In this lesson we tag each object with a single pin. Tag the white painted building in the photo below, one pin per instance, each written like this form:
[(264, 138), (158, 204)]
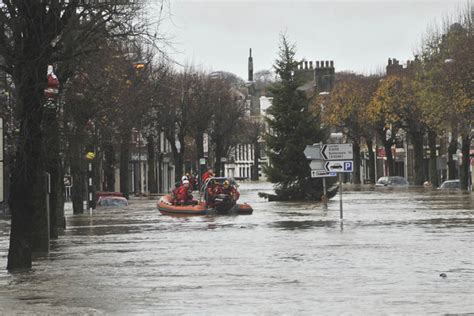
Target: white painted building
[(241, 158)]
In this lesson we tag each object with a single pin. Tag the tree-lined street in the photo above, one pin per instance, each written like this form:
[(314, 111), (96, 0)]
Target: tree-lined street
[(94, 106)]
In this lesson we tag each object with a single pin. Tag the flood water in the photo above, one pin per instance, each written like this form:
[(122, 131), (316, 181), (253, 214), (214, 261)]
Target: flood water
[(286, 258)]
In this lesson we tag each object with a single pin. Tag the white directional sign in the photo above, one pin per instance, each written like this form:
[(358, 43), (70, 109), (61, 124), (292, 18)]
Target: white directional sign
[(322, 174), (336, 152), (339, 166), (312, 152), (316, 165)]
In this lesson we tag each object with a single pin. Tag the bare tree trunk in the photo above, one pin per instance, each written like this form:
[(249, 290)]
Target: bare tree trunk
[(180, 170), (76, 161), (57, 220), (417, 139), (388, 154), (54, 168), (433, 168), (160, 166), (41, 231), (124, 158), (160, 172), (256, 158), (27, 190), (356, 151), (452, 148), (218, 155), (387, 145), (464, 176), (109, 167), (57, 224), (178, 161), (371, 161), (199, 139), (177, 157), (152, 186)]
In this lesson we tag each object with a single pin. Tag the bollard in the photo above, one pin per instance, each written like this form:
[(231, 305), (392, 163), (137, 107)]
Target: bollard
[(90, 193)]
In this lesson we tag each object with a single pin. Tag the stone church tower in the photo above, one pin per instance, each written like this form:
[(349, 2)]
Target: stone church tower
[(254, 93)]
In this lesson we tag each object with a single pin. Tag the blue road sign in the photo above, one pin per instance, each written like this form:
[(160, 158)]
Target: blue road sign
[(348, 166), (339, 166)]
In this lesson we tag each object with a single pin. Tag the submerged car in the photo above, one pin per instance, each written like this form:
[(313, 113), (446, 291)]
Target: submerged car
[(391, 181), (450, 185), (112, 201)]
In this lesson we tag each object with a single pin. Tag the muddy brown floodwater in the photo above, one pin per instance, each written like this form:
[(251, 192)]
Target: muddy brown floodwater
[(286, 258)]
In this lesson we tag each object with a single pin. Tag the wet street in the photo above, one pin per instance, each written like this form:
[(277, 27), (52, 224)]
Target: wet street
[(286, 258)]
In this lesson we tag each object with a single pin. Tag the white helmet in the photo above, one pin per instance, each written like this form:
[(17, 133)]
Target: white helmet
[(184, 178)]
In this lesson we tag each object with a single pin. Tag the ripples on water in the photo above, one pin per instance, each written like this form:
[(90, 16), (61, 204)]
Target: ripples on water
[(286, 258)]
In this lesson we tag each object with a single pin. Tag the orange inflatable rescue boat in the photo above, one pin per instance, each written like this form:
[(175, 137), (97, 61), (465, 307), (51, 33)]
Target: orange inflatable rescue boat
[(205, 205)]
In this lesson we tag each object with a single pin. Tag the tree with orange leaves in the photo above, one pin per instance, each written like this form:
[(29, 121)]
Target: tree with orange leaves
[(347, 108)]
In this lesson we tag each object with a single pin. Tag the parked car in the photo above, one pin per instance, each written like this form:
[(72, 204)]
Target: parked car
[(112, 201), (391, 181), (100, 194), (450, 185)]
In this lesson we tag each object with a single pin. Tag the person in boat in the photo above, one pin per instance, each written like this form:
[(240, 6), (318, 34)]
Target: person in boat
[(229, 190), (180, 183), (183, 194), (193, 183), (208, 174), (211, 192)]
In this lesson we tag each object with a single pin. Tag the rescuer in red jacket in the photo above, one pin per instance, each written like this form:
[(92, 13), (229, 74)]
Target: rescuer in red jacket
[(211, 192), (230, 190), (208, 174), (183, 195)]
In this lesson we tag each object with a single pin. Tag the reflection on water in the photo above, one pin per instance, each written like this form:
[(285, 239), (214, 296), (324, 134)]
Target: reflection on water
[(286, 258), (298, 225)]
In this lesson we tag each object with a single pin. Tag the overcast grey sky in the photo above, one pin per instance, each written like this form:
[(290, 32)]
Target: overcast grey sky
[(358, 35)]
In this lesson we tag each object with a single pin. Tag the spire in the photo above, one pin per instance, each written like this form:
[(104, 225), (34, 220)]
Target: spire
[(250, 66)]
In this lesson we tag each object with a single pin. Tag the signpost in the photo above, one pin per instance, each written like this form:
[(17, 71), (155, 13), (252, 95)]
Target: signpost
[(313, 152), (322, 174), (338, 166), (337, 151), (338, 159), (316, 165), (329, 159)]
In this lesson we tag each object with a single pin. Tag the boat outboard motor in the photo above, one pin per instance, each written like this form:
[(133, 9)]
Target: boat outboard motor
[(223, 203)]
